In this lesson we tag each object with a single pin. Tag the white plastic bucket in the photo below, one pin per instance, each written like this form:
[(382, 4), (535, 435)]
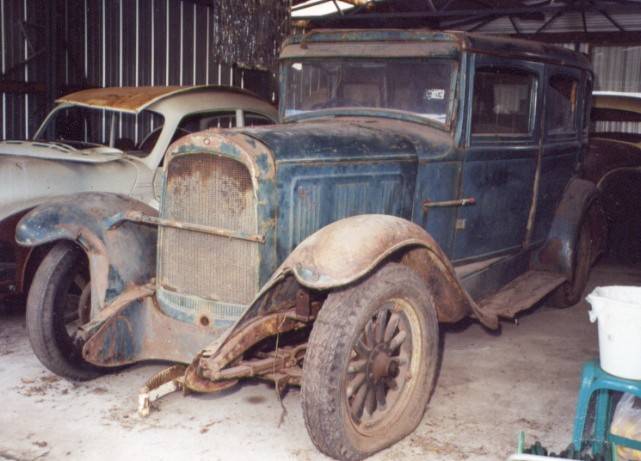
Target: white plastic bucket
[(618, 311)]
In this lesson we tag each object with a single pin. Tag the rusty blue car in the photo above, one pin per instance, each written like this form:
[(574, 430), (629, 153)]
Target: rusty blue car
[(417, 178)]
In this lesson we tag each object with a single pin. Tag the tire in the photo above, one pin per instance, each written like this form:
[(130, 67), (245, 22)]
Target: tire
[(50, 302), (571, 292), (344, 421)]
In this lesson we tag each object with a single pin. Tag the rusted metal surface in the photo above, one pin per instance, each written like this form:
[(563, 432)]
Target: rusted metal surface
[(427, 204), (480, 43), (335, 256), (346, 250), (168, 100), (163, 383), (213, 192), (260, 162), (522, 293), (445, 203), (558, 252), (242, 339), (125, 99), (142, 218), (117, 257), (378, 49), (95, 321), (139, 331)]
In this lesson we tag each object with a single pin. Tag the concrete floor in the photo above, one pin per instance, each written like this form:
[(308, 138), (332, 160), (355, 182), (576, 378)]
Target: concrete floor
[(490, 387)]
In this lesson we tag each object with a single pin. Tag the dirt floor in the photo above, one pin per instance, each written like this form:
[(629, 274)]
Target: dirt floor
[(490, 387)]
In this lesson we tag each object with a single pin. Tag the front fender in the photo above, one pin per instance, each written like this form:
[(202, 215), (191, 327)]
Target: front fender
[(118, 256), (335, 256), (558, 252), (347, 250)]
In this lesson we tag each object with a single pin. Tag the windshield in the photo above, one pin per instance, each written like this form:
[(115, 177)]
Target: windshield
[(423, 87), (83, 128)]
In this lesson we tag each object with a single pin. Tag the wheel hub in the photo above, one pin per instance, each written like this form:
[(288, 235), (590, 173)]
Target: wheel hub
[(382, 366)]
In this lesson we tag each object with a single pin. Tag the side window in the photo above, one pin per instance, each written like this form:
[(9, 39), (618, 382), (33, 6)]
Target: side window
[(254, 119), (502, 102), (204, 121), (560, 112)]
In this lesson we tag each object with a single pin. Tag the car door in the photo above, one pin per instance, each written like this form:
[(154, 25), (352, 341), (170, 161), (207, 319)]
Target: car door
[(562, 143), (499, 167)]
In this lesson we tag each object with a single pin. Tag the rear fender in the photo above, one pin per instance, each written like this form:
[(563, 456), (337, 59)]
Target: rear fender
[(119, 256), (558, 252), (334, 257)]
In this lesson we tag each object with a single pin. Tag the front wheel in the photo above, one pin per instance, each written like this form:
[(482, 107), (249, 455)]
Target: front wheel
[(58, 303), (370, 364)]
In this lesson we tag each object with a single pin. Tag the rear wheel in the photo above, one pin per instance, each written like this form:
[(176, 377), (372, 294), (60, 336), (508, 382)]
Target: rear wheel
[(370, 364), (57, 305), (571, 291)]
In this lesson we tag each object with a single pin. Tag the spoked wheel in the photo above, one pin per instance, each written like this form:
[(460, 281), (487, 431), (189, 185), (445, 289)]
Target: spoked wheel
[(370, 364), (57, 305), (379, 367)]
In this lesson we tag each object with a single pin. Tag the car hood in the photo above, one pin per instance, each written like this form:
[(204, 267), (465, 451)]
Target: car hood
[(352, 137), (60, 151)]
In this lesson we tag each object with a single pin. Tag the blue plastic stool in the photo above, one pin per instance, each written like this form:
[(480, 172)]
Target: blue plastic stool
[(594, 379)]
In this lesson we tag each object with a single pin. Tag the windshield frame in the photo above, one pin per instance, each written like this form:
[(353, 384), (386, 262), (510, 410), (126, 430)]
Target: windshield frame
[(397, 114)]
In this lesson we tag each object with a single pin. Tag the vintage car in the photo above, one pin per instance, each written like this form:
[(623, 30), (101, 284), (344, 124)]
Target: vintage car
[(418, 177), (67, 154), (613, 163)]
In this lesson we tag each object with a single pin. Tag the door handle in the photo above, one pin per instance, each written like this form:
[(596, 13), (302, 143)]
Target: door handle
[(427, 204)]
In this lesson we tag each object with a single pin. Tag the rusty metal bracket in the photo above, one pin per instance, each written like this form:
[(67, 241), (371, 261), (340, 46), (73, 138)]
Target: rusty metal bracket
[(272, 324), (305, 308), (163, 383), (274, 365), (136, 216)]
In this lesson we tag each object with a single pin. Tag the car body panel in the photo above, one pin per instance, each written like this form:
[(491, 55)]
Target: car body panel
[(35, 172)]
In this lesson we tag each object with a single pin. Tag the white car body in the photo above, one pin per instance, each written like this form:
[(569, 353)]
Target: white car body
[(33, 172)]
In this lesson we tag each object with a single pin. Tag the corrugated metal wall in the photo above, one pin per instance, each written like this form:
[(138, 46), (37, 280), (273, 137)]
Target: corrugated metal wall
[(116, 43), (618, 69), (161, 42), (19, 42)]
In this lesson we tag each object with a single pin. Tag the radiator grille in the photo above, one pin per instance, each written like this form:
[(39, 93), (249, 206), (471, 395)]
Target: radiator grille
[(214, 191)]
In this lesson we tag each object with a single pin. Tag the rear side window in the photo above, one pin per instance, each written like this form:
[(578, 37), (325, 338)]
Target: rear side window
[(560, 112), (502, 102), (255, 119)]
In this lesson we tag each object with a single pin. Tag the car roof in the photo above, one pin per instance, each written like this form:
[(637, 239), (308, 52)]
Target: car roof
[(163, 99), (464, 41), (617, 100)]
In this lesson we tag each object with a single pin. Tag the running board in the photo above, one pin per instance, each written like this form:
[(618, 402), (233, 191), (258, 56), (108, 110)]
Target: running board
[(521, 293)]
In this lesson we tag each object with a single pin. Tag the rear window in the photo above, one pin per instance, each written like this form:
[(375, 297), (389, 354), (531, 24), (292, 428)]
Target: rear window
[(502, 102), (560, 112)]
